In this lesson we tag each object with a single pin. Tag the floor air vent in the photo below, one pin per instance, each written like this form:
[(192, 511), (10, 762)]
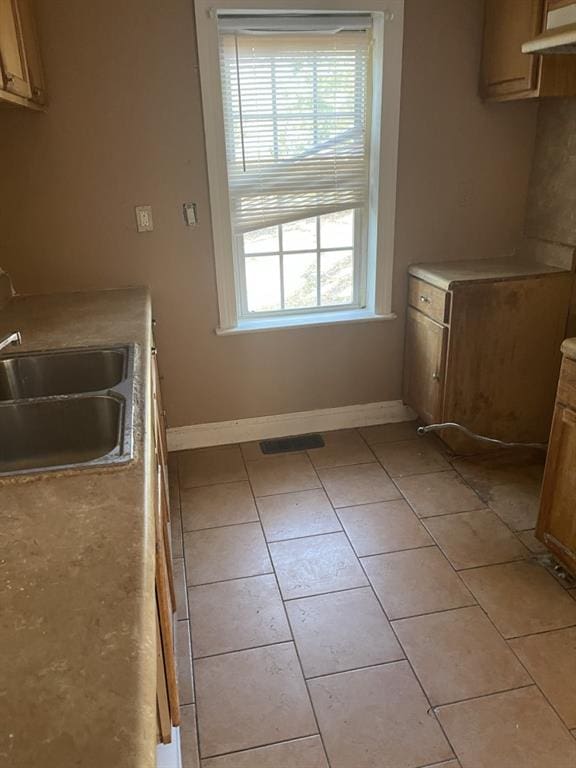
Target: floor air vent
[(288, 444)]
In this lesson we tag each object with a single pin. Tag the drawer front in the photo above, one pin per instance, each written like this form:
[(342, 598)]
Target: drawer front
[(431, 301)]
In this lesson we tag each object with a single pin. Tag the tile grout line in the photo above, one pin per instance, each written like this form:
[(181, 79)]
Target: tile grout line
[(485, 695), (529, 556), (554, 708), (541, 632), (293, 641), (487, 507), (213, 527), (264, 746), (509, 646), (242, 650), (224, 581), (390, 624), (520, 558), (514, 531), (505, 640), (321, 594), (433, 613), (322, 533), (430, 708)]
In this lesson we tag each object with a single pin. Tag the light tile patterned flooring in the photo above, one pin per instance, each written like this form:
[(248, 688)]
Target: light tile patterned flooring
[(370, 604)]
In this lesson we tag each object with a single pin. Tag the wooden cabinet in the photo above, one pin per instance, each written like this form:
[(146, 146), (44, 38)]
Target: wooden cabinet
[(167, 686), (32, 50), (506, 72), (425, 366), (484, 350), (21, 78), (557, 519)]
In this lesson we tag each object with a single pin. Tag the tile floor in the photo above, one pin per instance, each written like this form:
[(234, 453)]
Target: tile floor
[(370, 604)]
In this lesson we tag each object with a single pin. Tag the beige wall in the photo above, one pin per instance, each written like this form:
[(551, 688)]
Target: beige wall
[(124, 128)]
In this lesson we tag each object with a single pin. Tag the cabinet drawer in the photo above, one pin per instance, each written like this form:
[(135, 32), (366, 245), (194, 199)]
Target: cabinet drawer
[(431, 301)]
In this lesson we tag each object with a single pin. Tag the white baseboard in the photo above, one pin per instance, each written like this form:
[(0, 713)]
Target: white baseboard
[(284, 424)]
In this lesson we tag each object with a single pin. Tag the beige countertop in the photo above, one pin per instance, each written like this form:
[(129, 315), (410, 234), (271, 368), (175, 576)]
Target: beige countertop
[(569, 348), (446, 274), (77, 616)]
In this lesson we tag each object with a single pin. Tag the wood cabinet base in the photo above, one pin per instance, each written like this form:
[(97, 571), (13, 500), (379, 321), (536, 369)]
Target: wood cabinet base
[(557, 519), (493, 366)]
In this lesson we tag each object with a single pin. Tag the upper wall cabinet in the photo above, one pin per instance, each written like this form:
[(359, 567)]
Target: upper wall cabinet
[(21, 80), (507, 73)]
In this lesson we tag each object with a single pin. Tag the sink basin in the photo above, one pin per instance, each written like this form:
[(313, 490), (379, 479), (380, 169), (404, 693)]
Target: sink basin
[(65, 409), (47, 374), (59, 432)]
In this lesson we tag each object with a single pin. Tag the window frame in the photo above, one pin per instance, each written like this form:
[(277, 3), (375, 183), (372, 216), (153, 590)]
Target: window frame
[(388, 17)]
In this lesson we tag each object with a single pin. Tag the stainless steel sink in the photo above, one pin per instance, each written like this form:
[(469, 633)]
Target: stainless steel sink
[(57, 433), (60, 373), (66, 409)]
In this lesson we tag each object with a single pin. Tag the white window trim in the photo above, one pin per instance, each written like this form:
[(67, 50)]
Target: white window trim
[(387, 72)]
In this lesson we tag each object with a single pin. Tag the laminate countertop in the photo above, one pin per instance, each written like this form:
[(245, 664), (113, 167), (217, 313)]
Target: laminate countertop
[(77, 610), (569, 348), (446, 274)]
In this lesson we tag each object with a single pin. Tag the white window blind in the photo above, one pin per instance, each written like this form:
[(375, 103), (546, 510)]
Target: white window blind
[(296, 106)]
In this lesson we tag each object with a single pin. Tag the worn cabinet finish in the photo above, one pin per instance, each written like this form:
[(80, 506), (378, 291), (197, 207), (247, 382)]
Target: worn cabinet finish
[(14, 66), (21, 78), (167, 686), (424, 366), (557, 519), (32, 52), (492, 366), (506, 72)]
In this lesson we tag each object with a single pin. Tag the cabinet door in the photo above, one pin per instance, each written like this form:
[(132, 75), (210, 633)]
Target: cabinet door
[(507, 71), (164, 720), (424, 365), (166, 618), (12, 53), (30, 37), (557, 519)]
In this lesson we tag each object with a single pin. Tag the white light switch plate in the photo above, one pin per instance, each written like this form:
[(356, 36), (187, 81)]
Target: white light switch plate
[(144, 221), (190, 214)]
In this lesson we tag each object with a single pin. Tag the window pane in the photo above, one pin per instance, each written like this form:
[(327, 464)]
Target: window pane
[(337, 230), (300, 280), (263, 283), (299, 235), (261, 241), (336, 278)]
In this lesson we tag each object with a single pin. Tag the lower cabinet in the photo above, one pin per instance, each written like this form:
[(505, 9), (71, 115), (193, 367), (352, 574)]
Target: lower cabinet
[(557, 519), (424, 370), (485, 352), (167, 687)]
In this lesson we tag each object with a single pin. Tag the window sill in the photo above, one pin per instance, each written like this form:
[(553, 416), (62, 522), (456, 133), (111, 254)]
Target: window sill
[(302, 321)]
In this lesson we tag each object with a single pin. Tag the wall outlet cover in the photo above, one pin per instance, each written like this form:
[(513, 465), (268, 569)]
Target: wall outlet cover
[(144, 222)]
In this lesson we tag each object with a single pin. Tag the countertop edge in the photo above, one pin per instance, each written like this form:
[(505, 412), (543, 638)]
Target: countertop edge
[(432, 273)]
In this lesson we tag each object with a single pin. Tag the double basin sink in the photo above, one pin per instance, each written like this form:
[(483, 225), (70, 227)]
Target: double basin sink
[(65, 409)]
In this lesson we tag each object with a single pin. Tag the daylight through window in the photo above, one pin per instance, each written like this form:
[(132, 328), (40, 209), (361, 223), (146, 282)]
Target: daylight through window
[(296, 98)]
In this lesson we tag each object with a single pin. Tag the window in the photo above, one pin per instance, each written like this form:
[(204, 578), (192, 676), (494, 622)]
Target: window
[(306, 264), (293, 117)]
